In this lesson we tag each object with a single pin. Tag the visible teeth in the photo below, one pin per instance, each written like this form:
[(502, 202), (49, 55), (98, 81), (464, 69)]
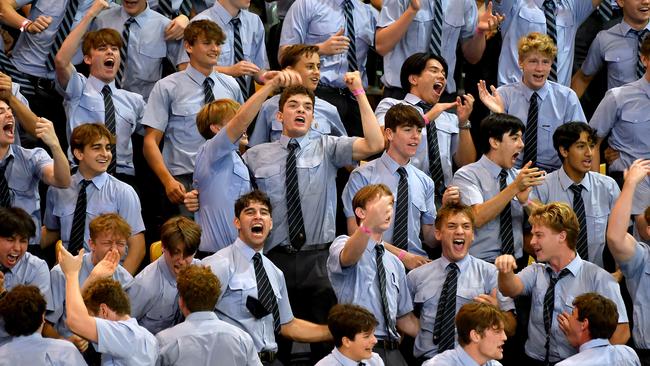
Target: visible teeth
[(459, 241)]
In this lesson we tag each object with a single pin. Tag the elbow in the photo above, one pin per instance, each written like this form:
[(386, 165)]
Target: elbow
[(381, 49), (63, 182), (376, 146)]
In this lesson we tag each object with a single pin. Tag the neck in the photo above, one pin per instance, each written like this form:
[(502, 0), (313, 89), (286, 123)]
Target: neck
[(635, 24), (494, 157), (205, 70), (560, 262), (473, 352), (575, 176), (533, 88), (86, 174), (647, 75), (4, 150), (233, 11), (347, 354), (399, 158)]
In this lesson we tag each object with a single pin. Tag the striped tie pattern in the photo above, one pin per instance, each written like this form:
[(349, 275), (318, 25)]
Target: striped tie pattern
[(435, 164), (109, 122), (208, 96), (165, 8), (239, 54), (435, 44), (640, 69), (444, 332), (348, 9), (551, 31), (5, 192), (401, 223), (579, 208), (294, 208), (530, 138), (62, 33), (505, 220), (78, 220), (8, 68), (381, 276), (185, 8), (549, 300), (605, 11), (265, 293), (124, 52)]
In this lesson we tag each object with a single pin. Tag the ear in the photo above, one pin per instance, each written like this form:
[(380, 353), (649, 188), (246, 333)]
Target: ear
[(215, 128), (564, 152), (474, 336), (494, 143), (438, 234), (361, 213), (562, 235), (278, 116), (346, 342), (188, 46), (237, 223), (388, 133), (78, 154), (87, 60), (413, 80)]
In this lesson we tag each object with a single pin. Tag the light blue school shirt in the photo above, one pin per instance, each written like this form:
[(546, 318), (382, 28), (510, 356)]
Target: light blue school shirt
[(557, 105), (456, 357), (204, 339), (268, 129), (422, 208), (584, 277), (125, 343), (58, 315), (479, 182), (618, 49), (475, 277), (459, 21), (221, 178), (23, 174), (233, 265), (105, 194), (446, 129), (637, 278), (147, 46), (84, 103), (525, 16), (336, 358), (599, 352), (315, 21), (599, 194), (36, 350), (317, 161), (359, 284), (623, 115)]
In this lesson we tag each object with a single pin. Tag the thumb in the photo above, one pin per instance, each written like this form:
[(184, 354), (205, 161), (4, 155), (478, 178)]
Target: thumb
[(493, 293), (340, 32)]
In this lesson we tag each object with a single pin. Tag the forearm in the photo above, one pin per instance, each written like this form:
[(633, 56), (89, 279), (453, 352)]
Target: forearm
[(71, 44), (510, 285), (222, 69), (490, 209), (304, 331), (474, 47), (61, 176), (9, 15), (354, 248), (75, 308), (466, 152), (580, 82), (386, 38), (49, 331), (409, 324), (25, 115), (595, 158), (154, 158), (429, 235), (621, 334), (136, 253), (373, 140), (49, 237), (245, 115), (510, 324)]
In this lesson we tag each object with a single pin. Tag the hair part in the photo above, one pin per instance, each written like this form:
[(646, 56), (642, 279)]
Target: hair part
[(601, 313), (109, 223), (217, 112), (557, 216), (23, 309), (198, 287), (478, 317), (16, 221), (348, 320), (180, 234)]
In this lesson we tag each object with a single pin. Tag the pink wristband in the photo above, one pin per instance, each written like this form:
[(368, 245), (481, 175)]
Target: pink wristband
[(356, 92), (25, 24), (365, 230), (426, 119), (401, 255)]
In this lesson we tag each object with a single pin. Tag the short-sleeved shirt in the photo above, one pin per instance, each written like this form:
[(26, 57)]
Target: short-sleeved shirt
[(268, 129), (84, 103), (459, 19), (251, 34), (637, 278), (125, 343), (30, 270), (58, 314), (446, 129), (154, 297), (221, 177), (197, 5), (475, 277), (104, 195), (618, 48), (204, 339), (336, 358), (557, 104), (24, 172), (147, 46), (623, 116), (525, 16), (359, 283), (315, 21), (36, 350), (233, 265), (641, 197), (317, 161), (456, 357), (422, 208), (479, 182), (584, 277), (599, 194), (172, 108), (599, 352)]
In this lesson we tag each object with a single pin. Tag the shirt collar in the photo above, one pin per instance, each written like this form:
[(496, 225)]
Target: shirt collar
[(139, 19), (412, 99), (87, 262), (594, 343), (98, 85), (165, 270), (390, 164), (372, 244), (10, 152), (493, 168), (302, 141), (465, 358), (197, 76), (462, 264), (542, 92), (200, 316), (344, 360), (244, 249), (574, 266), (98, 181), (644, 84), (566, 182), (222, 13)]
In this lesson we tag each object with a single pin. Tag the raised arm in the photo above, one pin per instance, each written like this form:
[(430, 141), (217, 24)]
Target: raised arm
[(136, 253), (58, 173), (373, 140), (304, 331), (580, 82), (10, 17), (387, 37), (509, 284), (621, 244)]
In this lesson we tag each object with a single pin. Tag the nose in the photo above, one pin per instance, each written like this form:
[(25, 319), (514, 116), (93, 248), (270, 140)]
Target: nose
[(589, 151), (373, 340)]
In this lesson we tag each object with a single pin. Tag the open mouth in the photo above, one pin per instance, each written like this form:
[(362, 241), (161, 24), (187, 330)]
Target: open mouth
[(8, 128), (459, 244), (438, 87), (257, 228), (300, 119), (12, 259), (109, 62), (515, 156)]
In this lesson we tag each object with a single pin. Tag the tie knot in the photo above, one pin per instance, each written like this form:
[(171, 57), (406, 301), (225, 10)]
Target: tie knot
[(577, 188), (106, 90), (208, 82), (4, 166), (426, 107), (453, 267), (293, 145), (379, 249), (84, 183), (129, 22), (549, 4), (562, 274), (257, 257), (402, 172), (503, 174), (236, 22), (533, 98)]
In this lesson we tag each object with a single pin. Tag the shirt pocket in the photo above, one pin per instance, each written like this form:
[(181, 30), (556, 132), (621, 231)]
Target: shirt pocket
[(533, 19), (417, 31), (545, 136), (313, 164), (23, 190), (52, 8), (466, 295), (618, 62), (161, 316), (269, 179), (97, 207), (241, 184), (634, 123), (90, 109), (597, 219), (152, 53), (186, 113), (565, 29), (241, 287)]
